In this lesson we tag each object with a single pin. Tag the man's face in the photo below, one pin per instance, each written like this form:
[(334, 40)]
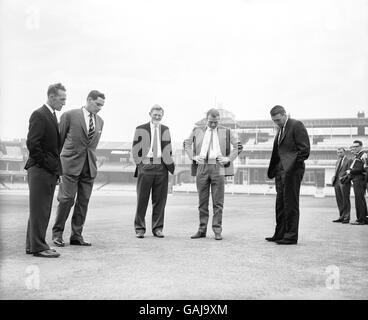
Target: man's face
[(355, 148), (94, 106), (156, 116), (340, 153), (57, 101), (212, 122), (279, 119)]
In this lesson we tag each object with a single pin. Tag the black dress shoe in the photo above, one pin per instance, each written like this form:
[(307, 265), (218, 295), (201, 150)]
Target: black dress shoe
[(28, 251), (158, 234), (337, 220), (58, 242), (218, 236), (357, 223), (286, 241), (345, 221), (47, 254), (80, 243), (271, 239), (198, 235), (140, 235)]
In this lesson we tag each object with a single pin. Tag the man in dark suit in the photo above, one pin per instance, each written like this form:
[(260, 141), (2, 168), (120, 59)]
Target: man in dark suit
[(152, 153), (80, 132), (290, 149), (342, 186), (358, 175), (44, 168)]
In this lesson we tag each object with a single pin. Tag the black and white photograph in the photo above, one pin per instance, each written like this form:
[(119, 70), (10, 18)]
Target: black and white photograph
[(201, 151)]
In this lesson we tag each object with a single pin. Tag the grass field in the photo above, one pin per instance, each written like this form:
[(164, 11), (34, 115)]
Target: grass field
[(241, 266)]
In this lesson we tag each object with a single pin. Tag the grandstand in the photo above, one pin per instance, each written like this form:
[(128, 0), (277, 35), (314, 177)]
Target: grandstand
[(117, 167)]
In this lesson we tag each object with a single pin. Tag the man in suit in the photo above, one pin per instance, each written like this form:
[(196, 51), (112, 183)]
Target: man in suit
[(358, 175), (152, 154), (209, 148), (43, 167), (342, 188), (80, 131), (291, 148)]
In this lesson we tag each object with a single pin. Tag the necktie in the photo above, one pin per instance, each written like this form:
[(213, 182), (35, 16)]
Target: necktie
[(280, 134), (55, 118), (154, 147), (210, 145), (91, 130)]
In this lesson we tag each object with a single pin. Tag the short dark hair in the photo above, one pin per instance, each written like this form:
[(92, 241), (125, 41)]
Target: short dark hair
[(277, 110), (54, 89), (94, 94), (213, 113), (358, 142)]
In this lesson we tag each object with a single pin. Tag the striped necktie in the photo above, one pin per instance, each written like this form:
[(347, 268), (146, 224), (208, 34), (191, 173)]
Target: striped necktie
[(91, 129), (154, 146)]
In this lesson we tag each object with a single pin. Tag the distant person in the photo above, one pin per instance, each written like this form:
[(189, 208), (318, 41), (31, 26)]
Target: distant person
[(44, 168), (342, 186), (291, 148), (152, 153), (80, 131), (358, 175), (209, 147)]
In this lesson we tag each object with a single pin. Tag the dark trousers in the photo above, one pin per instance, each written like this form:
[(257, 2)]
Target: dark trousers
[(155, 178), (41, 193), (359, 186), (209, 177), (287, 203), (342, 193), (72, 186)]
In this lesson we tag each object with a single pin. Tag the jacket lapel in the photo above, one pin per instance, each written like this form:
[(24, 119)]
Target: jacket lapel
[(83, 122), (285, 130), (199, 139), (51, 117), (222, 139)]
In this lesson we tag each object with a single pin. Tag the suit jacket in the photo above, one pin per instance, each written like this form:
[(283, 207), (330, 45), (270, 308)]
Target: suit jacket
[(76, 146), (342, 170), (43, 141), (226, 137), (358, 166), (142, 145), (293, 149)]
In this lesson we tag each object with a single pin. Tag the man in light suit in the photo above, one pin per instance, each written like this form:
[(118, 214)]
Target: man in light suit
[(209, 148), (342, 188), (80, 131), (291, 148), (152, 154), (44, 169)]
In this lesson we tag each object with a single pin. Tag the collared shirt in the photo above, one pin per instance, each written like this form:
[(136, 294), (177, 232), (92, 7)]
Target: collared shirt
[(215, 149), (283, 130), (50, 109), (86, 114), (150, 152)]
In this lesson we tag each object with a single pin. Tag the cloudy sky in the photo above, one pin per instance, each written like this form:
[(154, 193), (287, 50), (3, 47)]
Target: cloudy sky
[(311, 56)]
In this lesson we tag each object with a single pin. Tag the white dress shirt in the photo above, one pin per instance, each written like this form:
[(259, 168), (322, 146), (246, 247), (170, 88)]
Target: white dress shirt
[(86, 118), (150, 152), (50, 109), (215, 149)]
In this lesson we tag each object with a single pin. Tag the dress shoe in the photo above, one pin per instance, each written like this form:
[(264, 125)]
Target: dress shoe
[(47, 254), (140, 235), (198, 235), (345, 221), (357, 223), (28, 251), (218, 236), (337, 220), (80, 243), (158, 234), (286, 241), (58, 242), (271, 239)]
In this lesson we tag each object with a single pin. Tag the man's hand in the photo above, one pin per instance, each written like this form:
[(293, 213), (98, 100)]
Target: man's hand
[(199, 159), (223, 160)]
